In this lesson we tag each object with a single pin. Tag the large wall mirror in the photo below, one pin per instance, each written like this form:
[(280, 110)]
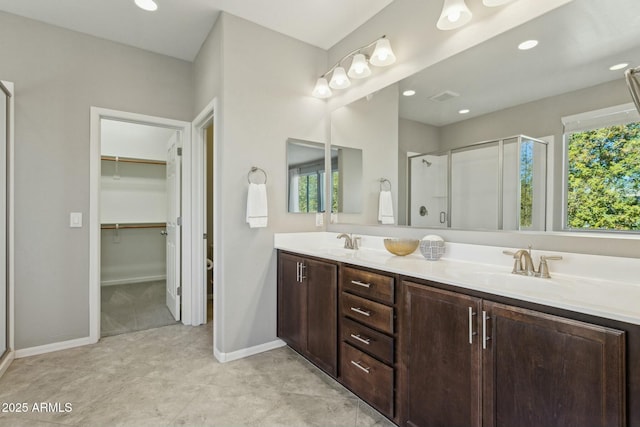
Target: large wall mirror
[(478, 143)]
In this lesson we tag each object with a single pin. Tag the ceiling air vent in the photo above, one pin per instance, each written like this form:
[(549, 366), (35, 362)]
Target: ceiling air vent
[(443, 96)]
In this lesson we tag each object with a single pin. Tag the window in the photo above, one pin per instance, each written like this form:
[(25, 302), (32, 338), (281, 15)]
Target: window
[(603, 170)]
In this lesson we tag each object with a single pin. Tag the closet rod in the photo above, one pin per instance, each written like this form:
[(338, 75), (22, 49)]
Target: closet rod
[(132, 160), (123, 226)]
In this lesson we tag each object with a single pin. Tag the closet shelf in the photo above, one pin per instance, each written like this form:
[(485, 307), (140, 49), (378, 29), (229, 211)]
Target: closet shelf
[(133, 160), (130, 225)]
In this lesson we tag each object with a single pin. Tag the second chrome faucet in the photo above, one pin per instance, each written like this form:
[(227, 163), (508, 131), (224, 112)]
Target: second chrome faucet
[(350, 241)]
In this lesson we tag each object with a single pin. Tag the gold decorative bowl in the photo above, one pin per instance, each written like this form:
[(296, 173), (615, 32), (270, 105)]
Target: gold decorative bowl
[(401, 247)]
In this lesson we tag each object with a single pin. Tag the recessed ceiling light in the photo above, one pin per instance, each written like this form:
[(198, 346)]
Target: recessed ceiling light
[(619, 66), (409, 92), (464, 111), (529, 44), (149, 5)]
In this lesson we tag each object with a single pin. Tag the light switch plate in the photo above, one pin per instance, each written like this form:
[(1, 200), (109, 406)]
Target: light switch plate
[(75, 220), (319, 219)]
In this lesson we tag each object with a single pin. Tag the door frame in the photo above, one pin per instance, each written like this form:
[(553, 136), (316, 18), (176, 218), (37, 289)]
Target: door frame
[(97, 114), (198, 221), (6, 360)]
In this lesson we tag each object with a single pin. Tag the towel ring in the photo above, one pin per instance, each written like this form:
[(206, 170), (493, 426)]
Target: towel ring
[(253, 170), (382, 181)]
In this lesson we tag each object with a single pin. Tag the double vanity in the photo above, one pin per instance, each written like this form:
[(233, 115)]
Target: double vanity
[(462, 341)]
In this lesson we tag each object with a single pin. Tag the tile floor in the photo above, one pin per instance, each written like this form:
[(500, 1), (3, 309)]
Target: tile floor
[(168, 377), (134, 307)]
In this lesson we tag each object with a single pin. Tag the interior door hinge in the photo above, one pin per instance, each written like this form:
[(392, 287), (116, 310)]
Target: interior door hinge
[(179, 291), (179, 221), (204, 236), (179, 151)]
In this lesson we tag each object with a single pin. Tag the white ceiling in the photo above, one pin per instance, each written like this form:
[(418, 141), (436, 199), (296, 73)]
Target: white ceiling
[(179, 27), (578, 44)]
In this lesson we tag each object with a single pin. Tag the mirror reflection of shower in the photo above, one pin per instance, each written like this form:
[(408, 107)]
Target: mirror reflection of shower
[(497, 184)]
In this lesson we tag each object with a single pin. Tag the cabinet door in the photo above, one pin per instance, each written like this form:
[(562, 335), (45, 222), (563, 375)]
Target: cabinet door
[(322, 317), (441, 358), (543, 370), (292, 303)]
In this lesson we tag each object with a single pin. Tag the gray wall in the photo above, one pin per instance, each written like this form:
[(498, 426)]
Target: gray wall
[(58, 76), (264, 82)]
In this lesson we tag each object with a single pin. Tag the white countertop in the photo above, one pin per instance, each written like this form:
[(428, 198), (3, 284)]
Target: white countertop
[(597, 285)]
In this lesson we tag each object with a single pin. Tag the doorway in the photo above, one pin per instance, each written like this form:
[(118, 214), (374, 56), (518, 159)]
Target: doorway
[(136, 234), (139, 242)]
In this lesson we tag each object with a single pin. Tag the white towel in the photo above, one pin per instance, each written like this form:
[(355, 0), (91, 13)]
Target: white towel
[(385, 208), (257, 206)]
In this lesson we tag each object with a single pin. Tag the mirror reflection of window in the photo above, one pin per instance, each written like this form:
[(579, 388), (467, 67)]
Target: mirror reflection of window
[(306, 180)]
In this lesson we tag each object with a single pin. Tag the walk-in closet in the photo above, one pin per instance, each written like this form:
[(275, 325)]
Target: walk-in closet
[(134, 207)]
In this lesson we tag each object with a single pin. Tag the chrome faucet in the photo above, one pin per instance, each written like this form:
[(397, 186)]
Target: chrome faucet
[(350, 241), (523, 263)]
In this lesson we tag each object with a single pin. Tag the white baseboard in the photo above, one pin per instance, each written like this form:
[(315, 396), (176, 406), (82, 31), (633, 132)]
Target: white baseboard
[(132, 280), (246, 352), (6, 361), (56, 346)]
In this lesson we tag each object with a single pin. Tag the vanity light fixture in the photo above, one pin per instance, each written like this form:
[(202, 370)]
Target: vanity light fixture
[(464, 111), (619, 66), (148, 5), (409, 92), (455, 14), (529, 44), (381, 56)]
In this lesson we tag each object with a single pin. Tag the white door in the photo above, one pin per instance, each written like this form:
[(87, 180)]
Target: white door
[(173, 225)]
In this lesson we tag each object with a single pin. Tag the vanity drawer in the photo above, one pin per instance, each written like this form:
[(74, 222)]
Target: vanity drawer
[(367, 284), (368, 340), (368, 378), (376, 315)]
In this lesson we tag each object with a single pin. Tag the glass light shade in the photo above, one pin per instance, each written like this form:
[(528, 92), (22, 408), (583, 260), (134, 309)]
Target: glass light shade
[(493, 3), (359, 67), (322, 89), (339, 79), (455, 14), (382, 55), (149, 5)]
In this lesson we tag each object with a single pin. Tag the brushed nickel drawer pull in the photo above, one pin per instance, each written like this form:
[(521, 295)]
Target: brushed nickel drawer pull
[(366, 341), (471, 333), (364, 285), (485, 337), (361, 311), (359, 366)]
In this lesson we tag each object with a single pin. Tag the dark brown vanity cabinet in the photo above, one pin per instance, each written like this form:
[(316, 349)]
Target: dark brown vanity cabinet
[(367, 325), (307, 308), (472, 362)]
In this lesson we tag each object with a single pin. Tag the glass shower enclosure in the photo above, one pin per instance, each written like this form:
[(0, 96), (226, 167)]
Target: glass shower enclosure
[(492, 185)]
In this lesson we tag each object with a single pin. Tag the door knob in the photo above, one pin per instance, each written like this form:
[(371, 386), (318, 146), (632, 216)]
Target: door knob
[(163, 232)]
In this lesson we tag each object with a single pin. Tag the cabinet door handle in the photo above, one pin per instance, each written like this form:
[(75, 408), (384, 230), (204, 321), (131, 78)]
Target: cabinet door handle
[(471, 332), (359, 366), (366, 341), (303, 269), (364, 285), (485, 338), (361, 311), (298, 272)]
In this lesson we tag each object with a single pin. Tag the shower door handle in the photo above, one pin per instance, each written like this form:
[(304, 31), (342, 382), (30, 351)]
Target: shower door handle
[(443, 217)]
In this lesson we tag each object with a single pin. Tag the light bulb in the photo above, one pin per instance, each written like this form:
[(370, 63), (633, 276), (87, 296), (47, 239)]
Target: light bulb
[(455, 14), (359, 67), (321, 90), (339, 79), (382, 55)]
